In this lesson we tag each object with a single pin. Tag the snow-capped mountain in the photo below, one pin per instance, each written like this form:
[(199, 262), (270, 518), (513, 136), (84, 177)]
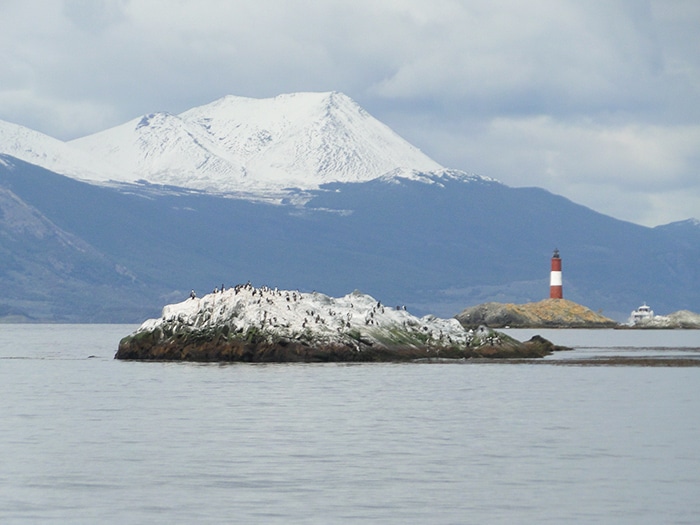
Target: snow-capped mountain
[(232, 145), (52, 154), (243, 144), (162, 148)]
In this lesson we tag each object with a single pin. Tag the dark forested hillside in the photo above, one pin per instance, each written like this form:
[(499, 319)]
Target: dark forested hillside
[(118, 254)]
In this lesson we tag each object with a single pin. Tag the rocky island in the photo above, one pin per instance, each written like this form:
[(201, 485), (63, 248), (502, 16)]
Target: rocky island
[(549, 313), (683, 319), (250, 324)]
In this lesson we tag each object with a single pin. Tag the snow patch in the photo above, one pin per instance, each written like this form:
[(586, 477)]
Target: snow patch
[(439, 177), (52, 154)]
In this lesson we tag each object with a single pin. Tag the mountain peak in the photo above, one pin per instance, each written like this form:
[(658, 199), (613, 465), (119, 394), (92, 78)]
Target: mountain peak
[(154, 119), (42, 150), (689, 224), (254, 145), (439, 177)]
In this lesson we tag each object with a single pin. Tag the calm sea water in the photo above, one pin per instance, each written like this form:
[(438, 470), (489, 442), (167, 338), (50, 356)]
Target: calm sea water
[(87, 439)]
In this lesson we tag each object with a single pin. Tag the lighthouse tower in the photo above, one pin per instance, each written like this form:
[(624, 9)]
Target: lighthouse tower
[(555, 288)]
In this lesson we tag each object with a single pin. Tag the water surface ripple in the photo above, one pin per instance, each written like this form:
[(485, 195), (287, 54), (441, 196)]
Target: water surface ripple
[(93, 440)]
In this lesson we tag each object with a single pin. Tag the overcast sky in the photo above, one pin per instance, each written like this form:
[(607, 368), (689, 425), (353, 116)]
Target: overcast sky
[(596, 100)]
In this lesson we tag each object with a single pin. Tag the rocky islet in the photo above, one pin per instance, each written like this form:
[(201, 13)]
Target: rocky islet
[(263, 324)]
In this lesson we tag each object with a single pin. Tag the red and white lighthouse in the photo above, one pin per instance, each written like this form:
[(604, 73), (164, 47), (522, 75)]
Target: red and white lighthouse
[(555, 288)]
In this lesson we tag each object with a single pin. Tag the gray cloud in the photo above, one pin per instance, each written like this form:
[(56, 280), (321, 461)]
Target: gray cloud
[(94, 16), (597, 101)]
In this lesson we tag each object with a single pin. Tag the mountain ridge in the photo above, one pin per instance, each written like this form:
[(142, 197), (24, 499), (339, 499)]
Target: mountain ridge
[(51, 273), (436, 247), (50, 153)]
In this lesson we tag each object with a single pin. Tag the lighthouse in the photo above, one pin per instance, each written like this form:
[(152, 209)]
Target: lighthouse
[(555, 288)]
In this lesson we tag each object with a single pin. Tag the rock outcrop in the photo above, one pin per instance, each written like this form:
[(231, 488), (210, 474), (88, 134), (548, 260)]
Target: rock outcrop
[(549, 313), (680, 319), (252, 324)]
